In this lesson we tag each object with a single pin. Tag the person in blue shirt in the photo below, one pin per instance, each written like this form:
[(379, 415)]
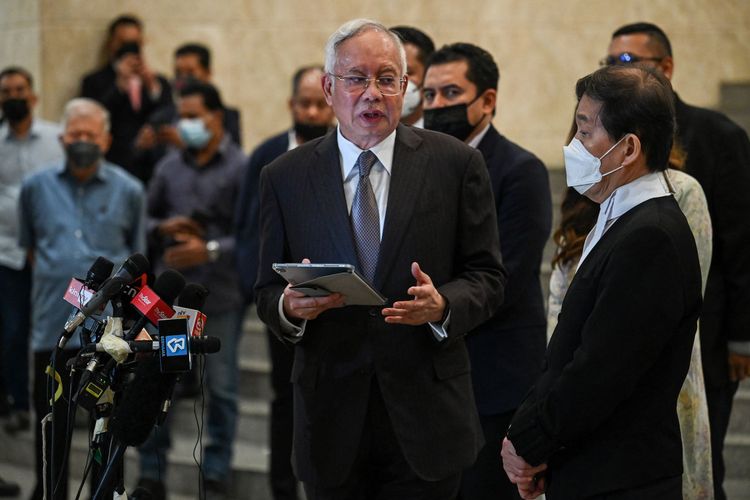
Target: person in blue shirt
[(71, 214)]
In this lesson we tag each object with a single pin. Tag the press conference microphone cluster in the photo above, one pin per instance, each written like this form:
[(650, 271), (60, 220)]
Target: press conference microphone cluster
[(131, 269)]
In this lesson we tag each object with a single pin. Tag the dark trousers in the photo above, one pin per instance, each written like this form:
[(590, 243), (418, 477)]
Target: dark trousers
[(282, 479), (61, 428), (15, 314), (486, 479), (719, 410), (380, 470), (663, 489)]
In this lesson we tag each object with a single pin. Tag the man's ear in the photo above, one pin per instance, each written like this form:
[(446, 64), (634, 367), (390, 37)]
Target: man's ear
[(489, 101), (327, 82), (667, 66), (632, 149)]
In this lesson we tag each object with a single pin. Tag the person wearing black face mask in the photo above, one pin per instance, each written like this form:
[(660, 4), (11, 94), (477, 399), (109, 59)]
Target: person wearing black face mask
[(460, 94), (79, 208), (312, 118), (26, 145)]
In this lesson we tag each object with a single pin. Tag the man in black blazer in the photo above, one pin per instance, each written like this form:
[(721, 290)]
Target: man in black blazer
[(382, 395), (311, 118), (718, 156), (601, 421), (130, 91), (460, 95)]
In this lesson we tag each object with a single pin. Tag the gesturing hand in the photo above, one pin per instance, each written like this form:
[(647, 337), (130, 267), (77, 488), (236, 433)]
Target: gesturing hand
[(428, 306)]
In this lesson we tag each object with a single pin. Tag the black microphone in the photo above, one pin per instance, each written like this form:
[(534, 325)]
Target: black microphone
[(167, 287), (99, 271), (193, 296), (198, 345), (135, 415), (133, 267)]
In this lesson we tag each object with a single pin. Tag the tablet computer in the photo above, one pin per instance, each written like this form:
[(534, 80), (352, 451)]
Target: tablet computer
[(318, 280)]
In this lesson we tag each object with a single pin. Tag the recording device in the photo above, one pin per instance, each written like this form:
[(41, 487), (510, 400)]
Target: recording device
[(80, 291), (133, 267)]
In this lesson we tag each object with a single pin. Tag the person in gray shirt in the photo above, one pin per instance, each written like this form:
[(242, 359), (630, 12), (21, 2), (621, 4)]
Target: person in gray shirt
[(26, 145), (191, 204)]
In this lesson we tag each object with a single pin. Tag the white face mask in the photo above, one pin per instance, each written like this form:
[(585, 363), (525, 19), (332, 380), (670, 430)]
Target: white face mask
[(582, 168), (412, 99)]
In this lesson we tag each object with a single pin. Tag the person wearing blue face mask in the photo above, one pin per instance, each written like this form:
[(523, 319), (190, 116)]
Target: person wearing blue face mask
[(191, 205), (601, 420)]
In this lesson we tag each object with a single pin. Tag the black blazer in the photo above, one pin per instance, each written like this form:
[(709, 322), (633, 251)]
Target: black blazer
[(246, 229), (506, 352), (125, 121), (603, 413), (718, 156), (440, 215)]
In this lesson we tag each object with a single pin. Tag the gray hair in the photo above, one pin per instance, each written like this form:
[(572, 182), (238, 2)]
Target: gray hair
[(82, 106), (352, 28)]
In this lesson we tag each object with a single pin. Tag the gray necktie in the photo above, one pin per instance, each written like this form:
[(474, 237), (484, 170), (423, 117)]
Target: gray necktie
[(365, 217)]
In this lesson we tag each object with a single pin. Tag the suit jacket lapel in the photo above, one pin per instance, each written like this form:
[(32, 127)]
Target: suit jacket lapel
[(327, 185), (407, 178), (487, 145)]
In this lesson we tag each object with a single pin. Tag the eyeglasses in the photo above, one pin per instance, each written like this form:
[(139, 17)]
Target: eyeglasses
[(626, 58), (387, 85)]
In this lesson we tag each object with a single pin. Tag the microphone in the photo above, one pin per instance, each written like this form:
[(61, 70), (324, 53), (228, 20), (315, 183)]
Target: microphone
[(99, 271), (135, 415), (190, 301), (133, 267), (155, 304), (197, 345)]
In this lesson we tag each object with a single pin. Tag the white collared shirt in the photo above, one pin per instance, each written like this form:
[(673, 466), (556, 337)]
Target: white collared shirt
[(474, 143), (292, 139), (622, 200), (380, 175)]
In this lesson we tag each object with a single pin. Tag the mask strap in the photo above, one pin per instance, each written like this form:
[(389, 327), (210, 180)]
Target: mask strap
[(613, 147)]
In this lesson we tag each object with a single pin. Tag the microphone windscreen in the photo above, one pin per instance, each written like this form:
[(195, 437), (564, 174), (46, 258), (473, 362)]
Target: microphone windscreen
[(205, 345), (193, 296), (135, 265), (98, 272), (168, 285), (136, 413)]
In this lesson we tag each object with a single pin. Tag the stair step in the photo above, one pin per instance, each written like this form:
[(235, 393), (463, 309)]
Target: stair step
[(249, 464), (736, 454), (252, 423)]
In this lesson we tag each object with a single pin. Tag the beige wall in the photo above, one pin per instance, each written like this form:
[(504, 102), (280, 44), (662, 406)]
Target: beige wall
[(542, 47)]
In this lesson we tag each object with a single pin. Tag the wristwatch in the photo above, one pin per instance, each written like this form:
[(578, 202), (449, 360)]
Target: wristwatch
[(212, 247)]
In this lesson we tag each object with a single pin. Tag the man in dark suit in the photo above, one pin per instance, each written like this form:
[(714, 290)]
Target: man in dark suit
[(460, 94), (718, 156), (311, 118), (601, 421), (382, 396), (130, 91)]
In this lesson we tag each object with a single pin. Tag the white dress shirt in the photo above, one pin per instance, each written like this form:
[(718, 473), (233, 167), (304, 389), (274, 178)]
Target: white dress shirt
[(622, 200), (380, 178)]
